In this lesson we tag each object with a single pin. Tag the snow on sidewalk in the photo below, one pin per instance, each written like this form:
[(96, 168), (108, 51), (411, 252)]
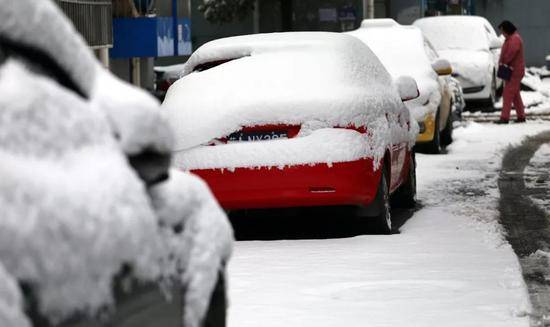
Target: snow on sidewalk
[(449, 266)]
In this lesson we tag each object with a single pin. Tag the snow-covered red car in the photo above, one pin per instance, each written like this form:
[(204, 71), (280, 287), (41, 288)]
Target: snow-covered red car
[(403, 50), (294, 119), (472, 46)]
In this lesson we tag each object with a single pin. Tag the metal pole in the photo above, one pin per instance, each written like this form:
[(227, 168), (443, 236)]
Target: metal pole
[(368, 9), (103, 54), (175, 25), (370, 12), (135, 64)]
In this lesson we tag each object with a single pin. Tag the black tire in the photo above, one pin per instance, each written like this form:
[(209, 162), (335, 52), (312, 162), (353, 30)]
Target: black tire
[(405, 195), (382, 221), (447, 132)]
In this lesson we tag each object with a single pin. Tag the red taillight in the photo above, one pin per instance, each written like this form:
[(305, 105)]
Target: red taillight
[(261, 132), (291, 130), (360, 129)]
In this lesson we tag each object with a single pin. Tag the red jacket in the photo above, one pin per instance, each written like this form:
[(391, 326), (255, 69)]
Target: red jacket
[(512, 55)]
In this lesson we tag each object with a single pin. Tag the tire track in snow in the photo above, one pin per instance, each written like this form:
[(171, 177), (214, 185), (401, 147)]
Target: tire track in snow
[(527, 226)]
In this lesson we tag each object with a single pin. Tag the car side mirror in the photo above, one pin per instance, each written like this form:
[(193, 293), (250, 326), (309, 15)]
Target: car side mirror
[(495, 43), (442, 67), (407, 88)]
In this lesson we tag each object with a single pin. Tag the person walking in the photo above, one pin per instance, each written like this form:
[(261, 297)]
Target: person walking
[(512, 60)]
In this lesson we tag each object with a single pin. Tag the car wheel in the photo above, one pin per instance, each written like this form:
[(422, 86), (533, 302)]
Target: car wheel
[(405, 196), (447, 133), (382, 221), (490, 102)]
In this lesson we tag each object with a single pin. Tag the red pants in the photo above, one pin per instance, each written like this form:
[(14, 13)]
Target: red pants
[(512, 96)]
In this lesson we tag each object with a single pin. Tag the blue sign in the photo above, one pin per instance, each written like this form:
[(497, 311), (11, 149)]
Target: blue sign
[(150, 37)]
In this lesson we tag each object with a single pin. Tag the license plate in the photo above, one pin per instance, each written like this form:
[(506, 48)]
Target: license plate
[(257, 136)]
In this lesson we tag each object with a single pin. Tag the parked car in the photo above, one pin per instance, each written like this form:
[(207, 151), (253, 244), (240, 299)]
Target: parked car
[(403, 50), (96, 229), (473, 47), (295, 119)]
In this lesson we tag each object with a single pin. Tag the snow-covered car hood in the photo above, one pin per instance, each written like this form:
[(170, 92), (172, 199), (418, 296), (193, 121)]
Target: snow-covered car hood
[(473, 68), (284, 78)]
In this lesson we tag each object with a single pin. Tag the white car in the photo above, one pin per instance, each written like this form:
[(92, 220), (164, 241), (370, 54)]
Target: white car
[(404, 51), (473, 47)]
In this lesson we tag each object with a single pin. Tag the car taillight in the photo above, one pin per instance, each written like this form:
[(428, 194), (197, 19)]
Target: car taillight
[(291, 130), (260, 133), (360, 129)]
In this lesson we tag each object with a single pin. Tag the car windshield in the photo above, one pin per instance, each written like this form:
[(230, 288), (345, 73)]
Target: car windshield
[(454, 34)]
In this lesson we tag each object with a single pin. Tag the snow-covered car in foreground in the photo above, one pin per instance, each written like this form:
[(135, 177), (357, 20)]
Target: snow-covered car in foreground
[(89, 204), (294, 119), (403, 51), (472, 46)]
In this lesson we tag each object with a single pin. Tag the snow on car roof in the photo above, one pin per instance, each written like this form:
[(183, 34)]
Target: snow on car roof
[(279, 78), (401, 50), (456, 32)]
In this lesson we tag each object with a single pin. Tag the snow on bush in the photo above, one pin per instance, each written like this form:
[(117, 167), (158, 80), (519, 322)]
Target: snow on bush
[(317, 80), (133, 114), (74, 212), (205, 244), (401, 50), (27, 22), (11, 302)]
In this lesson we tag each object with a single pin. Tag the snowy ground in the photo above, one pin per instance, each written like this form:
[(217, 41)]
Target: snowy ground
[(537, 177), (449, 265)]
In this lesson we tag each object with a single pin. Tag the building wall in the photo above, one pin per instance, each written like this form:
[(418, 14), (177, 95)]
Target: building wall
[(204, 31), (532, 19), (92, 18), (406, 11)]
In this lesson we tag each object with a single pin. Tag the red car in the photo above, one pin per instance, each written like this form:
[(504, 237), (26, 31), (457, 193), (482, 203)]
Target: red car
[(295, 119)]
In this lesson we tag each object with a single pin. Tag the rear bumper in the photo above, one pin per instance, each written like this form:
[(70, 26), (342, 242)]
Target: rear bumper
[(347, 183)]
